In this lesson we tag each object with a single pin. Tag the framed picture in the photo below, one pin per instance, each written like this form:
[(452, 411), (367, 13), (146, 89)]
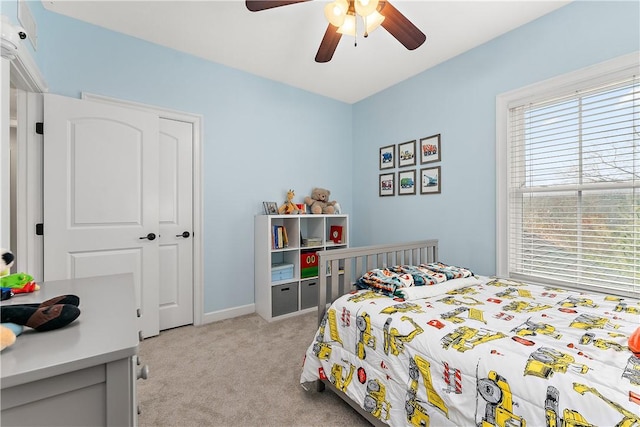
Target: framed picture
[(270, 208), (406, 182), (387, 157), (386, 187), (430, 180), (430, 149), (407, 154)]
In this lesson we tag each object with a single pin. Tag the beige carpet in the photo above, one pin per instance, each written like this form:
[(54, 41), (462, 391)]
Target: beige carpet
[(237, 372)]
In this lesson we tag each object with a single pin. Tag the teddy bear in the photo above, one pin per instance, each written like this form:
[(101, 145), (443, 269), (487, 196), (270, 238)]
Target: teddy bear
[(319, 201)]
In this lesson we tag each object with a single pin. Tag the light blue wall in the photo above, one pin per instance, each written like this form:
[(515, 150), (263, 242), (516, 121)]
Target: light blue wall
[(458, 100), (260, 137)]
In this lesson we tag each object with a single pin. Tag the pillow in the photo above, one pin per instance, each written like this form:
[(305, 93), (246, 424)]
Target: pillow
[(421, 275), (449, 271), (390, 280), (384, 280), (417, 292)]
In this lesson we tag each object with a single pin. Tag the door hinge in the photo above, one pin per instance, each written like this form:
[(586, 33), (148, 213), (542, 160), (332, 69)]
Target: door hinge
[(40, 128), (40, 229)]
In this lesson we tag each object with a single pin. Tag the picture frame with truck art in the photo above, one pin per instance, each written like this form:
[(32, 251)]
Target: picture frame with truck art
[(430, 149), (386, 185), (407, 154), (430, 180), (387, 157), (406, 182)]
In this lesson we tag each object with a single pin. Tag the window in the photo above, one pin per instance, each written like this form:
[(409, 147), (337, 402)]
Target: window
[(572, 183)]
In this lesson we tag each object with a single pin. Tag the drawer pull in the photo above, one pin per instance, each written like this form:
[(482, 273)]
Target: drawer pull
[(284, 289), (140, 336), (143, 372)]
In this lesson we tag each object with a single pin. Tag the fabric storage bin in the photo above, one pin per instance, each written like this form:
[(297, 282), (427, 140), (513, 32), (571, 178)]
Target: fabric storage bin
[(284, 299), (308, 264), (282, 271), (309, 292)]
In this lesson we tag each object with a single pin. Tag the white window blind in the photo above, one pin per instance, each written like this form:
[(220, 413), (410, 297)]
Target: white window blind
[(574, 188)]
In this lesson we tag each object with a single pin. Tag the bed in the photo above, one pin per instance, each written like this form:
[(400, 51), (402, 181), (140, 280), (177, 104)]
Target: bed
[(468, 350)]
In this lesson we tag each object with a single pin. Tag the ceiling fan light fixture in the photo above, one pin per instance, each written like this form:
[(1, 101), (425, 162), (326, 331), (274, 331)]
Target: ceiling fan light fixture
[(336, 11), (373, 21), (349, 26), (365, 8)]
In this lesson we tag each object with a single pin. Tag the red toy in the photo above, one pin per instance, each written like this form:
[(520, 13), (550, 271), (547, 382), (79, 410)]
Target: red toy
[(634, 342)]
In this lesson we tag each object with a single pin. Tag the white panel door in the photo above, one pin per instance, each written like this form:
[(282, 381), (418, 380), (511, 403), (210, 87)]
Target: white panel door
[(176, 223), (101, 216)]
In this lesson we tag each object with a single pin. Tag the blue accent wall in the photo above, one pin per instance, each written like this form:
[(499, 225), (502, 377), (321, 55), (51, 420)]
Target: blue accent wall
[(457, 99), (262, 137)]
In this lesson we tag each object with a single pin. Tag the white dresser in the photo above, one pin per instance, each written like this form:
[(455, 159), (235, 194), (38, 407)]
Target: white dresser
[(83, 374)]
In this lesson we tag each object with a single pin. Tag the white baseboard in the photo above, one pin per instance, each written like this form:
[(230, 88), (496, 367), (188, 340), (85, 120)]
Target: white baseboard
[(228, 313)]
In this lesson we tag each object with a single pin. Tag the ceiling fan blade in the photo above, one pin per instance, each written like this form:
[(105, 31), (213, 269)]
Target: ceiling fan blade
[(401, 28), (258, 5), (329, 44)]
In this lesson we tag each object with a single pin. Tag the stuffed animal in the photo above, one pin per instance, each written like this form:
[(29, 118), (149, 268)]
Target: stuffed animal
[(319, 201), (6, 261), (288, 207), (7, 337), (17, 283), (53, 313)]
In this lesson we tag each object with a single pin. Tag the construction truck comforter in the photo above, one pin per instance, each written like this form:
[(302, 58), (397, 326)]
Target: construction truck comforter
[(473, 351)]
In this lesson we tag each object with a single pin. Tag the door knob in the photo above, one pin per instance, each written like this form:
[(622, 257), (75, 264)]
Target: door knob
[(185, 234), (149, 236)]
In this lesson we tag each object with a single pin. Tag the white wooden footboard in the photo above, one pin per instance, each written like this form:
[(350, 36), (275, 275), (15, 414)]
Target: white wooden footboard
[(342, 267)]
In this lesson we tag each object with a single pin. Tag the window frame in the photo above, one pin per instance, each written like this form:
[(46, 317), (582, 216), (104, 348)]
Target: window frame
[(595, 75)]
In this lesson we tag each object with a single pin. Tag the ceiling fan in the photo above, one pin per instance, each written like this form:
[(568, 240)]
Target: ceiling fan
[(391, 20)]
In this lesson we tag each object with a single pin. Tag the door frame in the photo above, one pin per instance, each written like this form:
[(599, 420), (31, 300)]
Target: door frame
[(196, 122), (23, 74)]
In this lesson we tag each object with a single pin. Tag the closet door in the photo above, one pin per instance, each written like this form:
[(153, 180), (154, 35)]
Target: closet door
[(176, 223), (101, 202)]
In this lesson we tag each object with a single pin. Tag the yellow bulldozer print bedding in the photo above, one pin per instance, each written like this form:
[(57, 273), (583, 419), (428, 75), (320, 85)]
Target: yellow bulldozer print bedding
[(494, 353)]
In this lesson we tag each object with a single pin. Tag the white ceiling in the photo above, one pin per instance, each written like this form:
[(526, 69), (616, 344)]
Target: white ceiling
[(281, 43)]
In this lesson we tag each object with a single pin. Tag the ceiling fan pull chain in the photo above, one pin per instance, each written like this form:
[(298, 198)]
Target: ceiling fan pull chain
[(355, 30), (366, 34)]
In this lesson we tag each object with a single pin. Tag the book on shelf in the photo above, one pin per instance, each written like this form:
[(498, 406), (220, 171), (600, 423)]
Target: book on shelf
[(335, 233), (279, 238)]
